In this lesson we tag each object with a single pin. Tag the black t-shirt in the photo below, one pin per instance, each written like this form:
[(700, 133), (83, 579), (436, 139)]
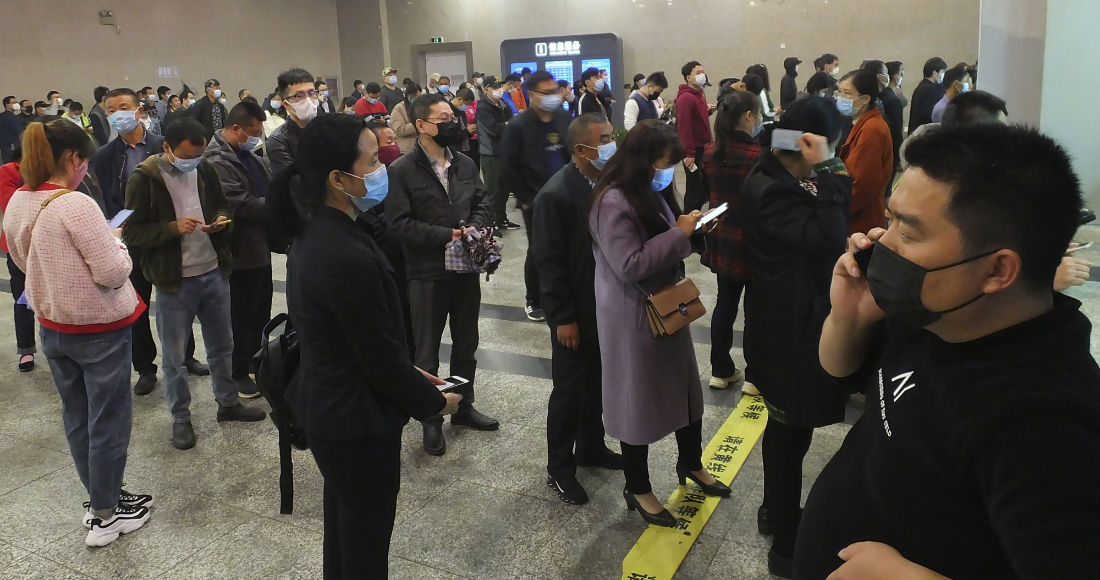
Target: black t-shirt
[(975, 460), (554, 148)]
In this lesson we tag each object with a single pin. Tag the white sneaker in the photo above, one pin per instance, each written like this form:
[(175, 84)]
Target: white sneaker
[(749, 389), (126, 519), (124, 498), (723, 383)]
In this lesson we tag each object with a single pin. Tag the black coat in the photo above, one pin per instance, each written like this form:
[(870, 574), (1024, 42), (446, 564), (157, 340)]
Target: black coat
[(925, 97), (492, 120), (421, 214), (356, 377), (107, 163), (523, 153), (892, 114), (10, 132), (562, 249), (794, 239), (788, 91), (203, 112)]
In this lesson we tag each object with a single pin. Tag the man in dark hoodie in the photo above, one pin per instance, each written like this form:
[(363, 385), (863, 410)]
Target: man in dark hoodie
[(693, 125), (788, 88)]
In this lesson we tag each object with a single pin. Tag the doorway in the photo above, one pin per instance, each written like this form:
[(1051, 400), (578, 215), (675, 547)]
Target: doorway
[(454, 59)]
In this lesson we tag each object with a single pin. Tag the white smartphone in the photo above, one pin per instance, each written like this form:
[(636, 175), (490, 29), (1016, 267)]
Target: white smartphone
[(452, 383), (786, 139), (1078, 248), (712, 215), (120, 218)]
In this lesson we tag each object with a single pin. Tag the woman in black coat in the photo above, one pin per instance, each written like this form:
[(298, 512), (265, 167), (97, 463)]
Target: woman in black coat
[(794, 207), (356, 386)]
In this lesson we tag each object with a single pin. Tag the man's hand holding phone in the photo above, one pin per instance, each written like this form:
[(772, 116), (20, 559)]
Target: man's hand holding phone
[(849, 293), (188, 225), (218, 225)]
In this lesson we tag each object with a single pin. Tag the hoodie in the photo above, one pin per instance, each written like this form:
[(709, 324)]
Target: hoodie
[(692, 119)]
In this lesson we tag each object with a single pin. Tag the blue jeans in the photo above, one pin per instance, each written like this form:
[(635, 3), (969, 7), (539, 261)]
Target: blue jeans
[(92, 373), (207, 297)]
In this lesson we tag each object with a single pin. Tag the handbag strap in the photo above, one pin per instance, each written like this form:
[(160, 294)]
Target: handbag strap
[(49, 199)]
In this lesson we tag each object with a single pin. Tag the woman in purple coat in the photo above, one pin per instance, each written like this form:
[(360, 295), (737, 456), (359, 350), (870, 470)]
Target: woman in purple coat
[(650, 385)]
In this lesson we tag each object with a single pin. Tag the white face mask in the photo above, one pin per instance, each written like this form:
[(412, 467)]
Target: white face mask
[(497, 93), (305, 110), (701, 79)]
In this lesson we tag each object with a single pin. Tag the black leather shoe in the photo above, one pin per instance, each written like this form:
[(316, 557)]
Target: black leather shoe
[(606, 459), (239, 412), (660, 519), (434, 443), (470, 417), (781, 566), (568, 489), (764, 524), (145, 383), (194, 367), (183, 435), (718, 488)]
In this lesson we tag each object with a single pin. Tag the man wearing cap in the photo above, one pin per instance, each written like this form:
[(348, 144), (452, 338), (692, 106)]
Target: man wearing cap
[(788, 88), (391, 95)]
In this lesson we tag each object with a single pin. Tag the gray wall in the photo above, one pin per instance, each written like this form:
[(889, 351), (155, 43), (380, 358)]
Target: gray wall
[(726, 36), (360, 27), (242, 43)]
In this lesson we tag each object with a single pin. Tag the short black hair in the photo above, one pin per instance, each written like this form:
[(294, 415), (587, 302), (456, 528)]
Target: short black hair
[(973, 108), (893, 67), (100, 93), (293, 76), (874, 66), (372, 87), (512, 78), (162, 90), (145, 89), (526, 70), (829, 57), (589, 73), (812, 115), (657, 78), (211, 83), (317, 84), (954, 74), (49, 95), (761, 71), (240, 93), (466, 94), (422, 106), (441, 77), (123, 92), (244, 112), (933, 64), (540, 76), (753, 83), (687, 68), (184, 129), (76, 106), (357, 82), (563, 84), (1012, 187), (349, 102), (818, 81), (8, 99)]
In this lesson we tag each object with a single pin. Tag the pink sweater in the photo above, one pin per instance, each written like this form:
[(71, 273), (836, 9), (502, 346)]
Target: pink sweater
[(78, 274)]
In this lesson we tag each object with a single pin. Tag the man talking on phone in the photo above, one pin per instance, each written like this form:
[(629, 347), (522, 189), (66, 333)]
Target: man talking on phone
[(978, 454)]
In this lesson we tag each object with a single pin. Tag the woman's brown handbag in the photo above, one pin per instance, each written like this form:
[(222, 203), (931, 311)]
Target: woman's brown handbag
[(673, 308)]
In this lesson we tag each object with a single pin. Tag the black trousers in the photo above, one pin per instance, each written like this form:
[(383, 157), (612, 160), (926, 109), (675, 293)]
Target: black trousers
[(574, 416), (498, 198), (362, 479), (530, 271), (474, 154), (695, 194), (431, 303), (24, 317), (721, 326), (783, 450), (144, 349), (250, 306), (689, 447)]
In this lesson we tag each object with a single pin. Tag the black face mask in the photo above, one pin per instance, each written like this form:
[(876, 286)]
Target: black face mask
[(450, 134), (896, 283), (653, 96)]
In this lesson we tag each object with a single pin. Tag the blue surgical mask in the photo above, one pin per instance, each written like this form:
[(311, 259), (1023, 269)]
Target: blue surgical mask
[(605, 152), (324, 94), (372, 101), (124, 121), (965, 87), (444, 88), (276, 105), (186, 165), (550, 102), (845, 106), (598, 85), (391, 79), (217, 93), (251, 143), (463, 108), (378, 185), (662, 178), (757, 130)]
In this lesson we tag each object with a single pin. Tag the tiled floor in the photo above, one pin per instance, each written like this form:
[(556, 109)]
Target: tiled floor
[(481, 511)]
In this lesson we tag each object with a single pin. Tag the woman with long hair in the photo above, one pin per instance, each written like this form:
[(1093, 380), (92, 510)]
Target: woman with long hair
[(356, 385), (766, 107), (78, 283), (726, 163), (650, 385)]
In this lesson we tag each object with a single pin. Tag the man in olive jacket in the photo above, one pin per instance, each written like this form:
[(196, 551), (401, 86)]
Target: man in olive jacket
[(435, 193), (179, 221)]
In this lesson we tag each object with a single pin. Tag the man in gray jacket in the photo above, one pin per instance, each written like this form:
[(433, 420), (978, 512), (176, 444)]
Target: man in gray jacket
[(244, 178)]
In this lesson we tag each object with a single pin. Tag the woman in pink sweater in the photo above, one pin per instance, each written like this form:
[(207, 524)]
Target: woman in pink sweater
[(78, 283)]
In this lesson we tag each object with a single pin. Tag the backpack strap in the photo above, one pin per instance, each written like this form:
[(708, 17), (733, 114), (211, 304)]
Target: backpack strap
[(286, 475)]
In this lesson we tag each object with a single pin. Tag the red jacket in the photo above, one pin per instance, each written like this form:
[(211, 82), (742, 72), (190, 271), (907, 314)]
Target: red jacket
[(869, 155), (364, 107), (10, 180), (692, 119)]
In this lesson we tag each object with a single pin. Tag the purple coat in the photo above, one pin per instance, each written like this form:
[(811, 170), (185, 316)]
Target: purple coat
[(650, 386)]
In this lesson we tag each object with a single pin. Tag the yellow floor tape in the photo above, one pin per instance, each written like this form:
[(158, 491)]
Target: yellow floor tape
[(660, 550)]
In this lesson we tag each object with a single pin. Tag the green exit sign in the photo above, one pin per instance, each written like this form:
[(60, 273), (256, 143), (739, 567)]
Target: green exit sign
[(437, 39)]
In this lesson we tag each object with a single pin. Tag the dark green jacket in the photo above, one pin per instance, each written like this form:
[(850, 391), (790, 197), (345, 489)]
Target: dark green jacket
[(152, 227)]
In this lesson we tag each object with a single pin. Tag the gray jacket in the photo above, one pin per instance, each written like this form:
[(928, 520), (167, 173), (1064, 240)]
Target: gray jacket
[(247, 201)]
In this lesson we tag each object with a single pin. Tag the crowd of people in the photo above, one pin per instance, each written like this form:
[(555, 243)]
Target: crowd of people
[(922, 270)]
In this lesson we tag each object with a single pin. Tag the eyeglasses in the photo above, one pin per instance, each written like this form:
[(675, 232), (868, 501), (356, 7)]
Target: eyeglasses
[(447, 119), (542, 92), (301, 96)]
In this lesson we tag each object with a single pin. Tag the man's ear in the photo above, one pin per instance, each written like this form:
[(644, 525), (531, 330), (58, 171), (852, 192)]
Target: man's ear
[(1004, 271)]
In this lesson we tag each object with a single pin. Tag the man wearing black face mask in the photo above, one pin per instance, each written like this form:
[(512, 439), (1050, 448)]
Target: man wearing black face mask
[(977, 456), (435, 192), (640, 106)]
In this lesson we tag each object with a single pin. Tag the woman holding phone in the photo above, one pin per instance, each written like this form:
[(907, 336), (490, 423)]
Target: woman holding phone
[(650, 385), (357, 386), (794, 207)]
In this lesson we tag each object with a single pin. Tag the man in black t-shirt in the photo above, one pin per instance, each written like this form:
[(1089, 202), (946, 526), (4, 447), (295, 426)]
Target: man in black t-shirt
[(977, 456)]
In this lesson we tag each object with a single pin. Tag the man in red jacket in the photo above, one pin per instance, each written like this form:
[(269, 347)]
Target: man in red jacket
[(693, 124)]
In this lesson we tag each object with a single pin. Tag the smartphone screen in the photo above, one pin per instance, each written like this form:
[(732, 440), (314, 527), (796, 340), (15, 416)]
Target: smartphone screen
[(120, 218), (712, 215), (452, 383)]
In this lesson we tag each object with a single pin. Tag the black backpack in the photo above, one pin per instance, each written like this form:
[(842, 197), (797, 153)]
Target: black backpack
[(276, 367)]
